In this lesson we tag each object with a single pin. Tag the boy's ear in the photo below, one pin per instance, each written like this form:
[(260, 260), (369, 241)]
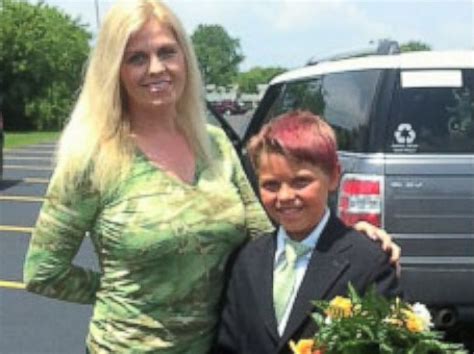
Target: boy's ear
[(336, 176)]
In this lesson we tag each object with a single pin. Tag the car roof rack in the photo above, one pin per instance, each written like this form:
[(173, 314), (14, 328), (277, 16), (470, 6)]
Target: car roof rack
[(382, 47)]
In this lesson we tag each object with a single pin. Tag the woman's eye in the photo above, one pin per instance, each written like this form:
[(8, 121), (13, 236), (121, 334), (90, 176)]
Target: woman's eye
[(137, 59), (167, 53)]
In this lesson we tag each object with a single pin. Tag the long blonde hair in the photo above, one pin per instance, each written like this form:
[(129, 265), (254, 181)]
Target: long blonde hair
[(96, 141)]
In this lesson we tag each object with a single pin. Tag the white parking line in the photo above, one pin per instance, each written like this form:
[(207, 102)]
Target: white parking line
[(27, 158), (25, 167), (28, 152), (12, 285), (19, 229), (20, 198), (35, 180)]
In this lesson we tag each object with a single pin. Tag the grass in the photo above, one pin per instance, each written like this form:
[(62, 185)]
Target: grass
[(15, 139)]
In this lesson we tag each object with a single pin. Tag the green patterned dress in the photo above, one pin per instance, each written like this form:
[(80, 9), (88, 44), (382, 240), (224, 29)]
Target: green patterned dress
[(162, 246)]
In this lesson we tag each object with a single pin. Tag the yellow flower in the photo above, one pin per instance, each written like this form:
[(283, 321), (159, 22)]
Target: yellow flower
[(413, 322), (304, 346), (394, 321), (339, 307), (422, 312)]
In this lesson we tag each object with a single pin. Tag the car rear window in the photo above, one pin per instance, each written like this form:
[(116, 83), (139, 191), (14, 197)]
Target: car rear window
[(343, 99), (430, 119)]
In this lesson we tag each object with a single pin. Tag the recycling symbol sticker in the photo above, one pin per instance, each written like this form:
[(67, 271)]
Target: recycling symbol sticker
[(405, 137), (405, 134)]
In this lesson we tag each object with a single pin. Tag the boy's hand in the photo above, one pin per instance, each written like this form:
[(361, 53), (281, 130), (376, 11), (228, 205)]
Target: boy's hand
[(377, 234)]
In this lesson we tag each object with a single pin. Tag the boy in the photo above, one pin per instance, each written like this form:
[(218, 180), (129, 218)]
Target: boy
[(313, 255)]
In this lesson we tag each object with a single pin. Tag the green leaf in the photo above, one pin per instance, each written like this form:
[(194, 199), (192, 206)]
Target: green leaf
[(353, 293), (219, 54), (42, 52)]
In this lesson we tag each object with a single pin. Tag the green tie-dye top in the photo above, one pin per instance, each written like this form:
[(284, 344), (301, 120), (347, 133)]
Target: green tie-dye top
[(162, 246)]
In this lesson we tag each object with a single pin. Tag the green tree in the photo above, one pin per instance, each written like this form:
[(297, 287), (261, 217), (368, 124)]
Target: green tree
[(249, 80), (414, 46), (219, 54), (42, 53)]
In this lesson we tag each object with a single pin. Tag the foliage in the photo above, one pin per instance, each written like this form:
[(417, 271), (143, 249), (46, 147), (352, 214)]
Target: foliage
[(249, 80), (414, 46), (373, 324), (42, 54), (28, 138), (219, 55)]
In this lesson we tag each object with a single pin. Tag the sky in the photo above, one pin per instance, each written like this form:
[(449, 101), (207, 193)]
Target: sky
[(286, 33)]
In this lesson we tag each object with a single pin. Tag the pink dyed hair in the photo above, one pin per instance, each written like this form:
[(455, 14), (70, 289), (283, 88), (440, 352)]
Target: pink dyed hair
[(299, 135)]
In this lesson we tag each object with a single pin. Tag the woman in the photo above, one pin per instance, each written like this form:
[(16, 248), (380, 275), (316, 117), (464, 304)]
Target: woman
[(164, 199)]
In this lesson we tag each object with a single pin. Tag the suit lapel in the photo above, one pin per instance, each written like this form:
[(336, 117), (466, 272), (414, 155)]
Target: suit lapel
[(262, 283), (327, 262)]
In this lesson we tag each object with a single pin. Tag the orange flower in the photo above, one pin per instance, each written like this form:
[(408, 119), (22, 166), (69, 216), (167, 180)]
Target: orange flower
[(304, 346)]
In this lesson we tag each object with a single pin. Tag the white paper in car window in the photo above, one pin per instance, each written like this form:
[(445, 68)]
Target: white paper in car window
[(431, 78)]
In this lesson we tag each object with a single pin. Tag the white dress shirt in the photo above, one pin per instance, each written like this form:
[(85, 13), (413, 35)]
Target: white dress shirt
[(301, 264)]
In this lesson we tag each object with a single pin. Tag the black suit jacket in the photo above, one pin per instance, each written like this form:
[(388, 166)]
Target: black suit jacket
[(248, 324)]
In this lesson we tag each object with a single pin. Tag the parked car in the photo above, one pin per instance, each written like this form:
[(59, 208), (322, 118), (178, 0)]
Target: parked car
[(229, 107), (405, 128), (216, 118)]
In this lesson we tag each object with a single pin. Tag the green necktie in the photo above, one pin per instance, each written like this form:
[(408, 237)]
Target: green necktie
[(284, 276)]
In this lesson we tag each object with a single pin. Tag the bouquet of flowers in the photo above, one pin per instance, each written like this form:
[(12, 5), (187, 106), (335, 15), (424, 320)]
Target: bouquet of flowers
[(373, 324)]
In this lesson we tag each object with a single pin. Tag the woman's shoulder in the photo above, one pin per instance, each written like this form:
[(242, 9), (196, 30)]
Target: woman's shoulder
[(218, 138), (216, 132)]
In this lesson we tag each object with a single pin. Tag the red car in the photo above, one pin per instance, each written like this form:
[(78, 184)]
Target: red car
[(228, 107)]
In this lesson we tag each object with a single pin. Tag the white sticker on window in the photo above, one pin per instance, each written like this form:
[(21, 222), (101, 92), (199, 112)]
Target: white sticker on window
[(405, 137), (431, 78)]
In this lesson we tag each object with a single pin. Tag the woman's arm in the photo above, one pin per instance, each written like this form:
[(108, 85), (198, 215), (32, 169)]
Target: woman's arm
[(256, 219), (59, 232)]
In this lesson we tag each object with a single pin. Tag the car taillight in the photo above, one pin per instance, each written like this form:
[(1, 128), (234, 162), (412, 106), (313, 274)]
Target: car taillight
[(360, 198)]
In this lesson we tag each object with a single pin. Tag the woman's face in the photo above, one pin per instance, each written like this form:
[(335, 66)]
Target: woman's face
[(153, 69)]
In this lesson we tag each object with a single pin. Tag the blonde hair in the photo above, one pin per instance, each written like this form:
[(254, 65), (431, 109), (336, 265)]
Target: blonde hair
[(96, 141)]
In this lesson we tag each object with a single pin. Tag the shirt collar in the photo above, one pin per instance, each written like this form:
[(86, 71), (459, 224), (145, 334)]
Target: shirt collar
[(310, 241)]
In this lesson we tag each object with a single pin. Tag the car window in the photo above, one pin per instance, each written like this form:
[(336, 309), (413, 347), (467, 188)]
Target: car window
[(433, 119), (216, 119), (343, 99), (348, 101)]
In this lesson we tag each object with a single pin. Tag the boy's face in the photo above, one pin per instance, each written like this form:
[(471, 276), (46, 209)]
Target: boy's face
[(294, 193)]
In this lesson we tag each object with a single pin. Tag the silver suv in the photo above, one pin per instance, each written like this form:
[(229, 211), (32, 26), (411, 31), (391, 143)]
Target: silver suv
[(405, 128)]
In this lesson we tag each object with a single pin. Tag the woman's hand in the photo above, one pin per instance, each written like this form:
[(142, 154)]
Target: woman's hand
[(377, 234)]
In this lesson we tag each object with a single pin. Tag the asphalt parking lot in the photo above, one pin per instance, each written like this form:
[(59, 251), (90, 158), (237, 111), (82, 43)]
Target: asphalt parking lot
[(31, 324)]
